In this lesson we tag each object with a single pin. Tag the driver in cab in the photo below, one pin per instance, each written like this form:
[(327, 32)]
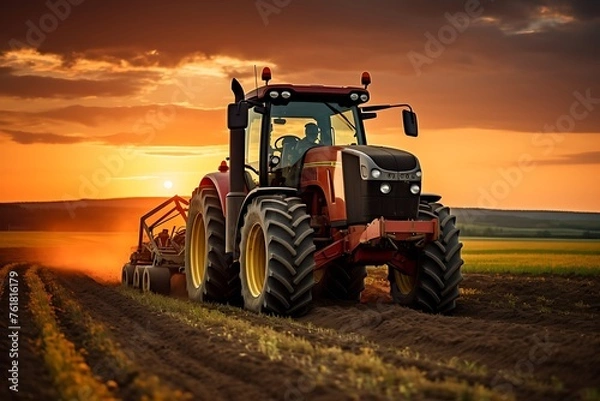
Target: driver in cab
[(310, 140)]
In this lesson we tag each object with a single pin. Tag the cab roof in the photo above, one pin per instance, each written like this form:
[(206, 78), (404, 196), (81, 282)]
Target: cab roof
[(315, 93)]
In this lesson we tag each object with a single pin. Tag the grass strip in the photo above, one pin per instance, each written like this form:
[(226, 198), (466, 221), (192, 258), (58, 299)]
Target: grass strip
[(4, 271), (364, 371), (98, 340), (72, 376)]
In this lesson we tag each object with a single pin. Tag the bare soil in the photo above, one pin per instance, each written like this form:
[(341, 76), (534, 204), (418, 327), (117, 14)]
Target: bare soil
[(518, 330)]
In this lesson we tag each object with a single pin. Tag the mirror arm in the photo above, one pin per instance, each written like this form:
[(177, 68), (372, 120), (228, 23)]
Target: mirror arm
[(385, 106)]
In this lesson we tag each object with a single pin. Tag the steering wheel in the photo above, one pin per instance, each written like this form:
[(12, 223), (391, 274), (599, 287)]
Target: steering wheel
[(250, 167), (278, 145)]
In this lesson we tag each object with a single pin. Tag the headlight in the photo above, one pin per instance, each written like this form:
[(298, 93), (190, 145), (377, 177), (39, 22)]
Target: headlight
[(364, 97), (354, 96), (385, 188), (286, 94), (418, 174), (274, 95), (375, 173), (414, 189)]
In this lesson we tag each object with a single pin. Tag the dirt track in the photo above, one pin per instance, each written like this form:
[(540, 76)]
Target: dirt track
[(527, 337)]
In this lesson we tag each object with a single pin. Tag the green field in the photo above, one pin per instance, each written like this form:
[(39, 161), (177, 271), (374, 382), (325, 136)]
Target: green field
[(481, 255), (532, 256)]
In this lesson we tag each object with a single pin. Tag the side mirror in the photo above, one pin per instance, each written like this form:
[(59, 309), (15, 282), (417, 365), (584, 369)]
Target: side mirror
[(409, 119), (237, 115)]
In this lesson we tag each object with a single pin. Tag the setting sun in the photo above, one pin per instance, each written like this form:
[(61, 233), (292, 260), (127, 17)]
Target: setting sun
[(168, 184)]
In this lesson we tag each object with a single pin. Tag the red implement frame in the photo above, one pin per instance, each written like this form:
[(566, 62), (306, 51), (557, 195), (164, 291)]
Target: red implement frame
[(179, 208), (358, 239)]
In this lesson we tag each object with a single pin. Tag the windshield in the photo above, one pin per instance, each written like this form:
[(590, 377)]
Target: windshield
[(336, 125), (295, 128)]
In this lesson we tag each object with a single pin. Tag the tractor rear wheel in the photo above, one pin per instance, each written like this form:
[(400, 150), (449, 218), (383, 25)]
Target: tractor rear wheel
[(208, 275), (138, 274), (127, 274), (341, 282), (434, 287), (157, 280), (276, 256)]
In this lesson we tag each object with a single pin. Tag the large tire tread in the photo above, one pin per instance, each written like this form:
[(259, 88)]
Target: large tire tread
[(221, 281), (289, 250), (439, 272)]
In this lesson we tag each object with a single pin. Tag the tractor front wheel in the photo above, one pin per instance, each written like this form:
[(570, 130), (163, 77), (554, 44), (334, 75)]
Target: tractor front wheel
[(434, 287), (276, 257)]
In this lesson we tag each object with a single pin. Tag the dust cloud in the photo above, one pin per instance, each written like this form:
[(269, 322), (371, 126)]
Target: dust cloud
[(99, 255)]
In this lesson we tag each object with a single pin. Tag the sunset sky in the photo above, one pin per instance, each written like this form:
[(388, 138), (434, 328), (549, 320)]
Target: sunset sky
[(104, 99)]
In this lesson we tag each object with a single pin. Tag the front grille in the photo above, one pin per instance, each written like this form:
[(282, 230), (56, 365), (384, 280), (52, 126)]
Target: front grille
[(365, 202)]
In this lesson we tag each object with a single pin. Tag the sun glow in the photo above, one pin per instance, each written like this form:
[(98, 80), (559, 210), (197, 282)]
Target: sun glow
[(168, 184)]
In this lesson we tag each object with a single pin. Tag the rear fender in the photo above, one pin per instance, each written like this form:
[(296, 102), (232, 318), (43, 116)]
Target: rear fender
[(220, 181)]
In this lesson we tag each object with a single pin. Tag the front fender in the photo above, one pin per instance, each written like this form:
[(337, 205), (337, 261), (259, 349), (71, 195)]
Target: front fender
[(430, 198)]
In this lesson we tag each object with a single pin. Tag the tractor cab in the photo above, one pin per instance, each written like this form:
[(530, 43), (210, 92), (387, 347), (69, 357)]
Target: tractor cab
[(286, 121)]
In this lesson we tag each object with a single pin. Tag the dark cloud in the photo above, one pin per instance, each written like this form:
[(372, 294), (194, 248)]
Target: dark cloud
[(574, 158), (153, 125), (584, 10), (113, 30), (33, 86), (487, 77), (29, 138)]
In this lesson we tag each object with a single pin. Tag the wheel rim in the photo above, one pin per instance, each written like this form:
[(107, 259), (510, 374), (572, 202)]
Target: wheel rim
[(404, 282), (318, 275), (255, 260), (198, 251)]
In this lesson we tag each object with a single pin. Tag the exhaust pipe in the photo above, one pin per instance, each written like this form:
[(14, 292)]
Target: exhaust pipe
[(237, 121)]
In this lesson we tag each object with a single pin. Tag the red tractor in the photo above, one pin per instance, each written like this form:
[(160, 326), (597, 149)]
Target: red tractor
[(305, 205)]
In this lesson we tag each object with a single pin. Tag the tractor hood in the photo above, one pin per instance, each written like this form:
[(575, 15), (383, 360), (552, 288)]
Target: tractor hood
[(390, 159), (380, 182)]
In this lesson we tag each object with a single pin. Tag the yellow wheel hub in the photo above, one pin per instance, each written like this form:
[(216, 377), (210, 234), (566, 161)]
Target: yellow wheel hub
[(256, 260), (318, 275), (198, 251), (405, 283)]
